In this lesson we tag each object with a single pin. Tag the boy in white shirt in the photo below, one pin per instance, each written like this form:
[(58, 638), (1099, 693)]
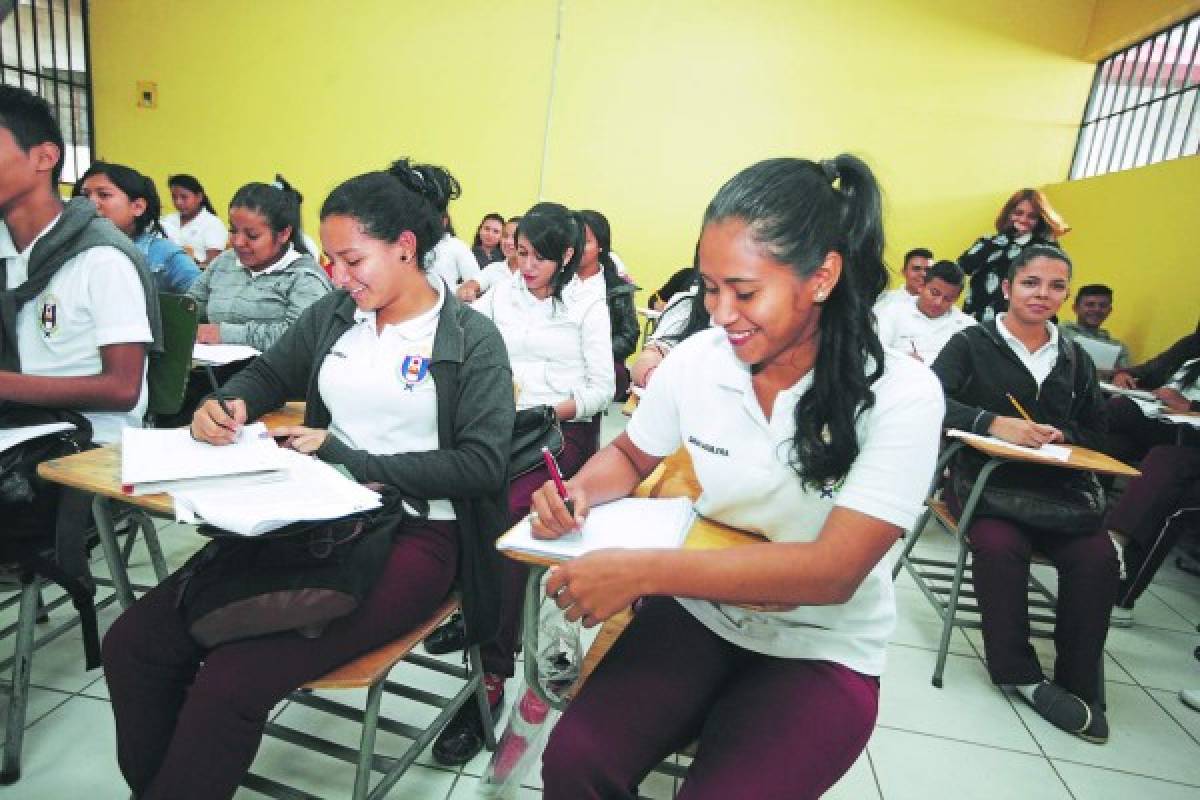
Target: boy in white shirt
[(921, 329), (916, 262)]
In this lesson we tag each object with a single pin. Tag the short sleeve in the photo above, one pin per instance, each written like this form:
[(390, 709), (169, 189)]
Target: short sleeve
[(118, 302), (656, 428), (215, 234), (899, 445)]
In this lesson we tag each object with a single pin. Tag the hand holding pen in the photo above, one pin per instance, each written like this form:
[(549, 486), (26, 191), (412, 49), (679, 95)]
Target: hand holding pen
[(1024, 431), (219, 419), (555, 511)]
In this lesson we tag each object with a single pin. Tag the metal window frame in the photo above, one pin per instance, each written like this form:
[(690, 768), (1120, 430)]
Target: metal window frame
[(1129, 102), (17, 69)]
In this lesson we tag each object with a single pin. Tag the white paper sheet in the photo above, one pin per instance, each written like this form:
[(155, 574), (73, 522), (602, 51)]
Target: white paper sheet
[(154, 456), (1104, 354), (1054, 451), (630, 523), (221, 354), (1138, 394), (11, 437)]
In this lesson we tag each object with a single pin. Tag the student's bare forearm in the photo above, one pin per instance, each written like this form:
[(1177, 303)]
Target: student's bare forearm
[(612, 473), (89, 392)]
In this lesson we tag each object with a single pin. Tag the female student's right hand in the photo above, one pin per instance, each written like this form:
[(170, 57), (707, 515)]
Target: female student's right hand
[(211, 424), (1027, 434), (1124, 380), (548, 514)]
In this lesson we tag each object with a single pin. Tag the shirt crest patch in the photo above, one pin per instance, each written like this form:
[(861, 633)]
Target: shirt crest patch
[(48, 315), (413, 369)]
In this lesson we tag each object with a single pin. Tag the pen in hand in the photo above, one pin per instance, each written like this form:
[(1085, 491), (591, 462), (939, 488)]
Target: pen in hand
[(556, 475), (212, 378), (1024, 414)]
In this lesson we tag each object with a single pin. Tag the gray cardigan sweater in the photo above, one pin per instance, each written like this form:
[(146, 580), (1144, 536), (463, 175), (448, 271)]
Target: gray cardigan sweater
[(475, 414)]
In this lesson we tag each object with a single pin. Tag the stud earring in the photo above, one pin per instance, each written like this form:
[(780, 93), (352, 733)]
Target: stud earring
[(819, 297)]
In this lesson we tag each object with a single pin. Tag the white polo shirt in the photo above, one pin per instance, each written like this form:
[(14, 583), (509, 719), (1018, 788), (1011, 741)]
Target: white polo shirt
[(702, 398), (905, 328), (493, 273), (559, 349), (95, 299), (378, 389), (205, 232), (453, 260), (1192, 390), (675, 314), (1041, 363), (890, 296)]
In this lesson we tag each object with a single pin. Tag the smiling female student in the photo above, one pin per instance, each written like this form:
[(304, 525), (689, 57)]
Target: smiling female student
[(255, 290), (486, 247), (561, 357), (1020, 355), (194, 226), (128, 199), (189, 721), (801, 429)]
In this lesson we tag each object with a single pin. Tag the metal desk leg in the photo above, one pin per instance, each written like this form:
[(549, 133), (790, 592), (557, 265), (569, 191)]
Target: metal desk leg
[(529, 635), (102, 514)]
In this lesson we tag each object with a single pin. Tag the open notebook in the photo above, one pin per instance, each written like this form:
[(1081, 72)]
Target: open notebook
[(160, 460), (1054, 451), (630, 523)]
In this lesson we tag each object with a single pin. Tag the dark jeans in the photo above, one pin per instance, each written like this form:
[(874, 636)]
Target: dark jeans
[(768, 727), (1087, 586), (579, 444), (189, 722), (1151, 513)]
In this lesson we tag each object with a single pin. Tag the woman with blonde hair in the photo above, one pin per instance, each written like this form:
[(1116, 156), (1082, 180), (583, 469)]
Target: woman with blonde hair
[(1026, 219)]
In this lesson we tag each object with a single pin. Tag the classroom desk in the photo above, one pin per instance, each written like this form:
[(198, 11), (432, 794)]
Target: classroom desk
[(673, 477), (98, 472)]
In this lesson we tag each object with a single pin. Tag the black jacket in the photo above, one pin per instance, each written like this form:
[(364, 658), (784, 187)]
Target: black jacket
[(1158, 370), (622, 316), (475, 414), (978, 370)]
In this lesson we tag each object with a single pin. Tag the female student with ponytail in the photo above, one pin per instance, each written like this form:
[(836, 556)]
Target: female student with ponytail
[(255, 290), (561, 356), (129, 200), (195, 225), (802, 430), (189, 720), (598, 272)]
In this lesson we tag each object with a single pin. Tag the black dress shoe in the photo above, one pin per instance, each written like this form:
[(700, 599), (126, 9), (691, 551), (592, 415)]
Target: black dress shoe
[(463, 737), (448, 638)]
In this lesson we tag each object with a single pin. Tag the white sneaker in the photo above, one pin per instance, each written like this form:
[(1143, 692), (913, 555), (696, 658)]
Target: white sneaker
[(1120, 617), (1191, 698)]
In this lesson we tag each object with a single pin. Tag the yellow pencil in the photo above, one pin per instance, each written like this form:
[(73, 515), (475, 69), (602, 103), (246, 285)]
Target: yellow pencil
[(1019, 409)]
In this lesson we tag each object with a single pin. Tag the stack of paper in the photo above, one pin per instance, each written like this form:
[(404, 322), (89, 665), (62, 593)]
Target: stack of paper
[(309, 490), (1054, 451), (220, 354), (631, 523), (1137, 394), (11, 437), (160, 460)]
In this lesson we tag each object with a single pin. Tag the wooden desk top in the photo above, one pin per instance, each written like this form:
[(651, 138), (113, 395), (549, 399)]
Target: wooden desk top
[(1080, 458), (98, 471)]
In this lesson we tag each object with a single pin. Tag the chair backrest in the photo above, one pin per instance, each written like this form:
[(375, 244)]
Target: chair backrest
[(168, 371)]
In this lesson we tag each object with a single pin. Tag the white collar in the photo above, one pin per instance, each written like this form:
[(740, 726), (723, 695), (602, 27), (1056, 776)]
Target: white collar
[(412, 328), (1051, 329), (8, 249), (284, 261)]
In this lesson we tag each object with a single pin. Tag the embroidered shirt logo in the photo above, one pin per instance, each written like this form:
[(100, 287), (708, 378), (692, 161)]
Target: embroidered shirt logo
[(831, 488), (48, 317), (710, 448), (413, 370)]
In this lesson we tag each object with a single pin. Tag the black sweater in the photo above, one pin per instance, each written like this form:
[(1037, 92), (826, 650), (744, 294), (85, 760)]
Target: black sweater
[(978, 370)]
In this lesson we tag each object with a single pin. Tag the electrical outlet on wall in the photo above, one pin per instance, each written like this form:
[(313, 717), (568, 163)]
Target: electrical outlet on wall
[(147, 94)]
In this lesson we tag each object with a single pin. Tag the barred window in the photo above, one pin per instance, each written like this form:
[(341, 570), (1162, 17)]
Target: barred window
[(1143, 107), (44, 48)]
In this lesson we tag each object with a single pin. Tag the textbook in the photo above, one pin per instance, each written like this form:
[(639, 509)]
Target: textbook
[(629, 523), (11, 437), (159, 460), (308, 489), (1052, 451), (221, 354)]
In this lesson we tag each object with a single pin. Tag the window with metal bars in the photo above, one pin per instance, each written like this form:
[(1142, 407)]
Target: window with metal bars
[(1143, 107), (44, 48)]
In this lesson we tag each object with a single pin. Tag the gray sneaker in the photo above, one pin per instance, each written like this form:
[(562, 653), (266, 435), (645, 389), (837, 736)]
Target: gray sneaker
[(1061, 708)]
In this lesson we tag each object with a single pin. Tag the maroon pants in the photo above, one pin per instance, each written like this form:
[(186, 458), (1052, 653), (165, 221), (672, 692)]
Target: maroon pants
[(1153, 513), (189, 722), (579, 444), (768, 727), (1087, 586)]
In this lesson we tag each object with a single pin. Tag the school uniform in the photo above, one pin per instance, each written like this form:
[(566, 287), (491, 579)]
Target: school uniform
[(979, 368), (1132, 433), (202, 233), (484, 257), (788, 696), (174, 270), (890, 296), (95, 299), (1072, 330), (559, 350), (453, 260), (673, 320), (438, 394), (493, 273), (904, 327), (617, 292)]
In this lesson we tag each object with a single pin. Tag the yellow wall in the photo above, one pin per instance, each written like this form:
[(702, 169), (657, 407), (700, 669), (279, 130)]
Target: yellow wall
[(1119, 23), (1136, 231), (655, 103)]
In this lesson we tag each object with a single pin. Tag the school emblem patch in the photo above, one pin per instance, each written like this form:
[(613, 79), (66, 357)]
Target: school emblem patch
[(413, 370), (48, 316)]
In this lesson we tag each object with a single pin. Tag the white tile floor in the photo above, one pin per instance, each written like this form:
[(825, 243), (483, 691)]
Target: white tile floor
[(967, 740)]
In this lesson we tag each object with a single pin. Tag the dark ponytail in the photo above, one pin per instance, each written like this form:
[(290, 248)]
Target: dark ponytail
[(598, 224), (552, 229), (190, 183), (136, 186), (800, 211), (389, 202), (279, 205)]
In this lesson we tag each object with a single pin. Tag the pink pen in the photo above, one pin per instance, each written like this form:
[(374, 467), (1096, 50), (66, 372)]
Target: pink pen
[(556, 474)]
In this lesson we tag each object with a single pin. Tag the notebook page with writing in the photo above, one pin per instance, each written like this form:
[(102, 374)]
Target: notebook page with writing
[(171, 454), (1054, 451), (629, 523)]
